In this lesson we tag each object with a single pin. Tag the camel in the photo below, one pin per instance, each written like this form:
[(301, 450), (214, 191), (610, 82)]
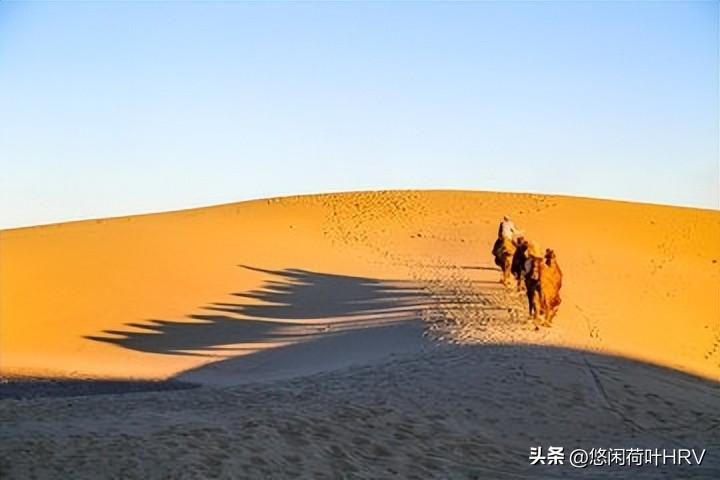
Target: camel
[(550, 284), (543, 280), (503, 250), (532, 269), (518, 262)]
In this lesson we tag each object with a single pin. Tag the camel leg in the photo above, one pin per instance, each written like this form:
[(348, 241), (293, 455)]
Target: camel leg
[(542, 310), (534, 300), (506, 274), (503, 270), (551, 315), (547, 314), (532, 304)]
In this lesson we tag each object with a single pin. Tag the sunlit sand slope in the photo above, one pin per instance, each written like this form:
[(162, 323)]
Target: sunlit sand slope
[(281, 287)]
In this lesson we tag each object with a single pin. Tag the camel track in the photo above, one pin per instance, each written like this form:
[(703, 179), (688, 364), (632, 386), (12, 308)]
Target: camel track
[(469, 305)]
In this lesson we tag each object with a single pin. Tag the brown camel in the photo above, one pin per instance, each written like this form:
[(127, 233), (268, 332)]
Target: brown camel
[(531, 270), (543, 280), (503, 250), (518, 262), (550, 284)]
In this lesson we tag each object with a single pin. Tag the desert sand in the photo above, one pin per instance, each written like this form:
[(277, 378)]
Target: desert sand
[(359, 335)]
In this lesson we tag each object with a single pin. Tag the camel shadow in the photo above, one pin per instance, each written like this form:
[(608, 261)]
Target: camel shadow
[(299, 321)]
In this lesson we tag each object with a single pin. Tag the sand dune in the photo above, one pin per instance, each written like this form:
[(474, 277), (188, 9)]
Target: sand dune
[(133, 297), (392, 348)]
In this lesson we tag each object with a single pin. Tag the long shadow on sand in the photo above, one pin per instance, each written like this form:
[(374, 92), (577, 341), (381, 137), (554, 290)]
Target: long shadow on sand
[(310, 321), (292, 305), (454, 412)]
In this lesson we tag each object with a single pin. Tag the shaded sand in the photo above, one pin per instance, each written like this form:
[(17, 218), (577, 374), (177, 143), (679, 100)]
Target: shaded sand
[(456, 412), (363, 334), (28, 387)]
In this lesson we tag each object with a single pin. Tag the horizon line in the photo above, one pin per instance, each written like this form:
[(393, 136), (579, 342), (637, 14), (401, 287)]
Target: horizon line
[(337, 192)]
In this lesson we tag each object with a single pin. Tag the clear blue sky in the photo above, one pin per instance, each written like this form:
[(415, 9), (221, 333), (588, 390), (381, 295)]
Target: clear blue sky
[(117, 108)]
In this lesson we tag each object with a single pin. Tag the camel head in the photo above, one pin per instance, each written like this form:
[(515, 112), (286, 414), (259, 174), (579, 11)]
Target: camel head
[(549, 256)]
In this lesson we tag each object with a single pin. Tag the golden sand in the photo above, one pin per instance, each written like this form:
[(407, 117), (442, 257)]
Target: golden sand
[(640, 281)]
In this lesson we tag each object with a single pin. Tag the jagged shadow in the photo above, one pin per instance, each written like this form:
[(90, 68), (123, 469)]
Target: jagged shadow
[(292, 306)]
